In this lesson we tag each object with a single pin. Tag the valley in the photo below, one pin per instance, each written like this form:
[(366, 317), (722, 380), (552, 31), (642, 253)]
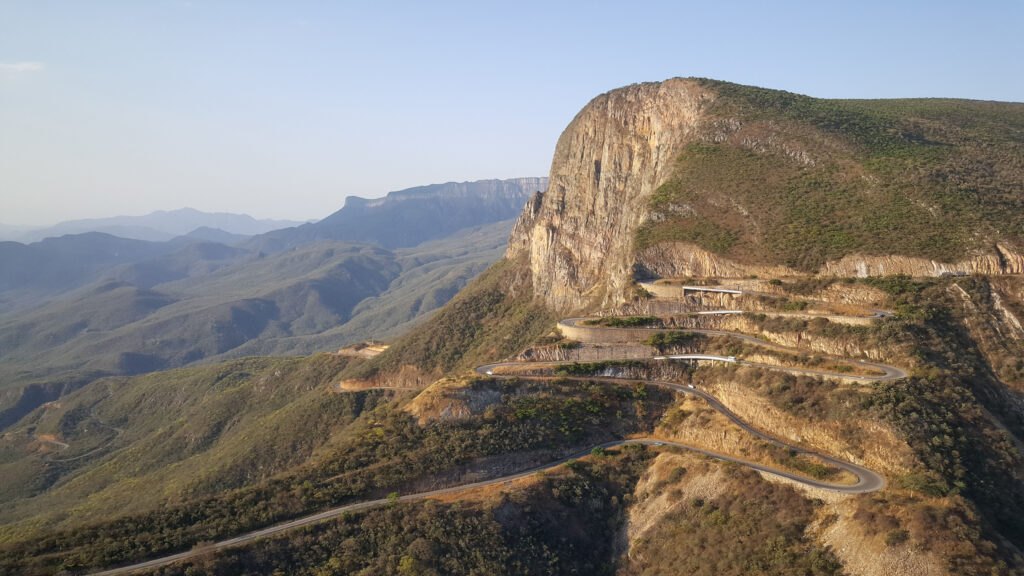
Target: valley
[(799, 463), (866, 480), (96, 305), (738, 331)]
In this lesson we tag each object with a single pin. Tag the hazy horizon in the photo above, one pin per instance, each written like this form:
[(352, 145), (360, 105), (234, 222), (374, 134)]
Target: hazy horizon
[(157, 211), (185, 208), (280, 111)]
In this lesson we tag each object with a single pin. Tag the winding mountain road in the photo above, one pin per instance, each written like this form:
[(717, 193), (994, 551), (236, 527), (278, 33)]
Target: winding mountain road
[(867, 480), (888, 372), (92, 414), (60, 445), (652, 287)]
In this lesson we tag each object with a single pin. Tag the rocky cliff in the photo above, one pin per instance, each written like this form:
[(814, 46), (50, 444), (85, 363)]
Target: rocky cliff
[(685, 177), (612, 157), (412, 216), (677, 259)]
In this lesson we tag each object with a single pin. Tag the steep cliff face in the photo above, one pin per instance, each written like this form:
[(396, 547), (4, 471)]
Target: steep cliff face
[(579, 235), (701, 178)]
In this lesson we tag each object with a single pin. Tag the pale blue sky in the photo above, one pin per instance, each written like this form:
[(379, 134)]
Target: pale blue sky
[(281, 109)]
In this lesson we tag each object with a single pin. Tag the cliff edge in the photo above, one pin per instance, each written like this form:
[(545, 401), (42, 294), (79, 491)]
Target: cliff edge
[(706, 178), (607, 164)]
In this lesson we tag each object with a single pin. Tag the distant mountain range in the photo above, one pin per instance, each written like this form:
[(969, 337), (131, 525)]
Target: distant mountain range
[(409, 217), (76, 307), (158, 226)]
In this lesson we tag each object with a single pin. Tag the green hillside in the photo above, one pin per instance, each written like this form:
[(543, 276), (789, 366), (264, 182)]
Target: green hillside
[(207, 451), (493, 317), (431, 274), (311, 298), (800, 181), (186, 433), (117, 328)]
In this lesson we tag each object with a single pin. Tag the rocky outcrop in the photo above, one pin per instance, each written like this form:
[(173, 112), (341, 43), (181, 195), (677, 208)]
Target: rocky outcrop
[(522, 233), (1001, 260), (454, 399), (608, 162), (679, 260), (675, 259), (578, 237)]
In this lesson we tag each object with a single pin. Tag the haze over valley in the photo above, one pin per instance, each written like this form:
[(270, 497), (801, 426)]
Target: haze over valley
[(82, 306), (762, 314)]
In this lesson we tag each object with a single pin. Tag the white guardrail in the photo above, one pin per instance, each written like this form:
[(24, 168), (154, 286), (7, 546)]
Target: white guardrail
[(697, 357), (709, 289)]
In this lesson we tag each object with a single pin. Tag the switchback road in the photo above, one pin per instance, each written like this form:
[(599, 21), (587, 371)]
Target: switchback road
[(867, 480)]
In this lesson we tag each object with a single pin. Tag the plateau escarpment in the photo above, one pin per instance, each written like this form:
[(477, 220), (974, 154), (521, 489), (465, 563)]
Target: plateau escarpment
[(412, 216), (578, 235), (696, 177)]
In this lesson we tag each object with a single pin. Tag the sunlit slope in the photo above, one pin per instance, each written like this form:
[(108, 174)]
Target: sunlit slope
[(780, 178)]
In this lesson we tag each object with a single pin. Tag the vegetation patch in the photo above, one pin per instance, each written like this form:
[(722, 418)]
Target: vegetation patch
[(665, 340), (941, 409), (385, 452), (625, 321), (754, 526), (562, 522), (484, 321), (810, 180), (590, 368)]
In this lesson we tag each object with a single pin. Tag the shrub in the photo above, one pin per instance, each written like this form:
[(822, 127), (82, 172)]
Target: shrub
[(896, 537)]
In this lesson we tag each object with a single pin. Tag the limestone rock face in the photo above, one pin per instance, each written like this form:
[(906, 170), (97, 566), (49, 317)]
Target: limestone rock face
[(1002, 260), (677, 259), (578, 236)]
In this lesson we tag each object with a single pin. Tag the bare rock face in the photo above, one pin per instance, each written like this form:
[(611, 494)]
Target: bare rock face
[(578, 236), (1001, 260), (677, 259)]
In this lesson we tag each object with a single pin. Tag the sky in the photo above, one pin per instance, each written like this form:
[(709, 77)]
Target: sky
[(282, 109)]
